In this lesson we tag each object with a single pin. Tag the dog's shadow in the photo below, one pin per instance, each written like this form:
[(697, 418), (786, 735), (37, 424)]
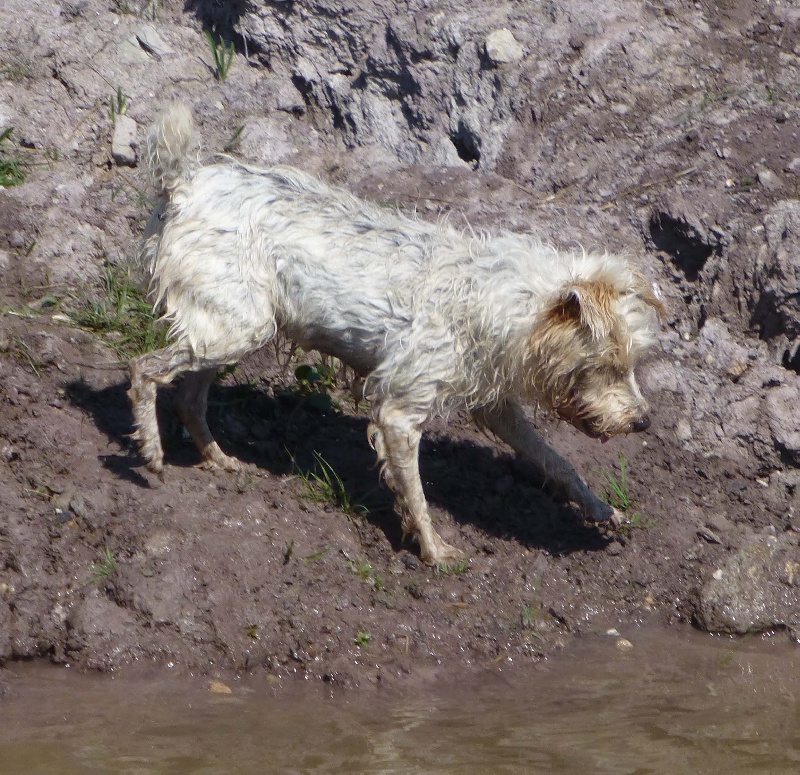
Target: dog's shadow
[(298, 433)]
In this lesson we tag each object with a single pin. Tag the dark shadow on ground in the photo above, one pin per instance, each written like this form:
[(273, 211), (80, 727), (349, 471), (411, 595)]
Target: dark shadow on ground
[(293, 432)]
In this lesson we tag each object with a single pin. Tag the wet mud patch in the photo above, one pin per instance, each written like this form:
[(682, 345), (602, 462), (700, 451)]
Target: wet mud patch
[(618, 136)]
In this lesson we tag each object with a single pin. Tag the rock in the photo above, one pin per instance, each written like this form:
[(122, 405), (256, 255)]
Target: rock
[(77, 506), (501, 47), (718, 523), (769, 180), (683, 429), (776, 280), (218, 687), (415, 82), (708, 535), (123, 142), (756, 589), (289, 100), (152, 43), (781, 408), (95, 617), (719, 347)]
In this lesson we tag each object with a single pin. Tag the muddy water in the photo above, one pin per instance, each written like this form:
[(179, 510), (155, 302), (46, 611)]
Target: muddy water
[(668, 703)]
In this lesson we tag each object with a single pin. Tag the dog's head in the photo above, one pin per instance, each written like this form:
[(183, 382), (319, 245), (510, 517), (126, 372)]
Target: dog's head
[(584, 346)]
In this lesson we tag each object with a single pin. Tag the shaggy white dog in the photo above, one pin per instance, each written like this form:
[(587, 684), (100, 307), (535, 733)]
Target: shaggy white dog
[(433, 318)]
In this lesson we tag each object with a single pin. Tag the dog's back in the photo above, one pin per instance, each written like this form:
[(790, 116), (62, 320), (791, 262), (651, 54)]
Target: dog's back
[(242, 252)]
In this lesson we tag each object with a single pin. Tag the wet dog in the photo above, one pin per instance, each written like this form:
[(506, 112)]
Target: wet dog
[(434, 319)]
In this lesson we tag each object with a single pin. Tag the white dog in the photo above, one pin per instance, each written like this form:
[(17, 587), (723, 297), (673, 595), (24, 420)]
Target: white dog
[(433, 318)]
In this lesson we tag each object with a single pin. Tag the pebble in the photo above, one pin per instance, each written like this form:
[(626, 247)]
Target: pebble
[(502, 47), (217, 687), (708, 535), (683, 429), (78, 506), (123, 142), (9, 452), (718, 523), (768, 179)]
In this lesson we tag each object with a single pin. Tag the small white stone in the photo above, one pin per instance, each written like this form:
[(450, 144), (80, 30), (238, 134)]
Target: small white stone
[(683, 429), (502, 47), (123, 141)]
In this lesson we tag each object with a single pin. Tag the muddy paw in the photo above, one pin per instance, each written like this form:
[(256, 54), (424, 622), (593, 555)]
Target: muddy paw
[(155, 465), (617, 518), (442, 554), (605, 515), (222, 463)]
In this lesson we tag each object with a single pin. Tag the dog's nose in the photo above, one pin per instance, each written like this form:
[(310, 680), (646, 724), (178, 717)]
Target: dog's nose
[(641, 424)]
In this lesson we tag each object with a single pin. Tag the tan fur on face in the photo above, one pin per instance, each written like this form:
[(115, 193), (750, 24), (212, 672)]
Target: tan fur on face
[(590, 303), (582, 356)]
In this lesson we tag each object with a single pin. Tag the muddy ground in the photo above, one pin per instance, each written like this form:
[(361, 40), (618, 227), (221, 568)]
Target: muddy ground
[(667, 129)]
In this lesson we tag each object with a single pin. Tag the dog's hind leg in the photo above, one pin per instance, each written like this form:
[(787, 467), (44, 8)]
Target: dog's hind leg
[(395, 435), (508, 421), (148, 371), (192, 404)]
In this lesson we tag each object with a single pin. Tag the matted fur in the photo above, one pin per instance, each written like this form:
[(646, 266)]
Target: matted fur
[(433, 318)]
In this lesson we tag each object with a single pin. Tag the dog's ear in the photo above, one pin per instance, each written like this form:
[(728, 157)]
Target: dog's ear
[(648, 296), (588, 303)]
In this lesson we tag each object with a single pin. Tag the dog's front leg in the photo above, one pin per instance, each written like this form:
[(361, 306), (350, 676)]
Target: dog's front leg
[(509, 422), (395, 435), (192, 405)]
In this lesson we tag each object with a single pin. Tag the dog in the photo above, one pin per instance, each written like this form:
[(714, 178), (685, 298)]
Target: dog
[(434, 319)]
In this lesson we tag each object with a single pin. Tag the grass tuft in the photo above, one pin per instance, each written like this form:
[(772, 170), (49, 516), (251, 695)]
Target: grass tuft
[(117, 105), (365, 571), (122, 314), (15, 67), (21, 348), (325, 485), (617, 494), (222, 54), (11, 166), (104, 568), (453, 568)]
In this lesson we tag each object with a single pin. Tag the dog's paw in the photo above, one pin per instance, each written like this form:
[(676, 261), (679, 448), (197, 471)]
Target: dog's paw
[(607, 516), (441, 554), (155, 465), (617, 518), (214, 459), (223, 463)]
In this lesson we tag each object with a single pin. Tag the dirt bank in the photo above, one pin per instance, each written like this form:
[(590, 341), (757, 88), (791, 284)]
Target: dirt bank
[(668, 129)]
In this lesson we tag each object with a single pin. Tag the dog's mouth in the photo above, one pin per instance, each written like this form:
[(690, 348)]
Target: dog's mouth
[(586, 426), (588, 429), (583, 424)]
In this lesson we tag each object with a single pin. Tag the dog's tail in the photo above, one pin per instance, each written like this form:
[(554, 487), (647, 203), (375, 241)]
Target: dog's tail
[(169, 145)]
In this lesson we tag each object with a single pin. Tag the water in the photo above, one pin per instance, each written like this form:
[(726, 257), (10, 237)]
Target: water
[(676, 702)]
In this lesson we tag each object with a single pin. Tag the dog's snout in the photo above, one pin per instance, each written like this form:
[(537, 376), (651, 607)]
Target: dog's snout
[(641, 424)]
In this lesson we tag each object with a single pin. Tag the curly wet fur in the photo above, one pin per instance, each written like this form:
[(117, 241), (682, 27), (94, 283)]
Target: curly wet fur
[(434, 319)]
